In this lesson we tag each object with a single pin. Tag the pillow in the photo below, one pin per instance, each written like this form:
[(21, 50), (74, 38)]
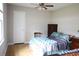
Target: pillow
[(56, 34), (64, 37), (59, 35), (51, 37)]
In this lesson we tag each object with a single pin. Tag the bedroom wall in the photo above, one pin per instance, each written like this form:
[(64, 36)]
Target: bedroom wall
[(35, 20), (67, 19), (3, 46)]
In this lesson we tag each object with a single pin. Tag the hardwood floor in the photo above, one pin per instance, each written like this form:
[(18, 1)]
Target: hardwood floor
[(19, 50)]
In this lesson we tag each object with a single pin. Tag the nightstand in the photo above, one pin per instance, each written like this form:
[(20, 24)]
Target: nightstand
[(75, 42)]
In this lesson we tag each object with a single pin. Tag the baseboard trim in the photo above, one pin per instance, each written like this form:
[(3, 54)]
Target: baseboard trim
[(11, 43), (26, 42), (3, 52), (16, 43), (6, 50)]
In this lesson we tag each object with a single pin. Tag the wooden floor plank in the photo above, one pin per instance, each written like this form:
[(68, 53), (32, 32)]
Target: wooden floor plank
[(19, 50)]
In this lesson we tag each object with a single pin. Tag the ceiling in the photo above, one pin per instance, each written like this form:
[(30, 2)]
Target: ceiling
[(33, 5)]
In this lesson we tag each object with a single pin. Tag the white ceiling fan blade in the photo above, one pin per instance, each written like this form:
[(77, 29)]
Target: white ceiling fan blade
[(49, 5)]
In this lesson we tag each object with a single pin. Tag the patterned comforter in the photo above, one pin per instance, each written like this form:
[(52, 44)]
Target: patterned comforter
[(61, 44), (74, 52), (61, 39), (40, 45)]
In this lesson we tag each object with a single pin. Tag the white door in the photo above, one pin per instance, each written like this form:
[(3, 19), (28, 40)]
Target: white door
[(19, 27)]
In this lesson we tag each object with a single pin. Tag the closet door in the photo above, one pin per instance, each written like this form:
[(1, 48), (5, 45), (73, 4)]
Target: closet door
[(52, 28), (19, 27)]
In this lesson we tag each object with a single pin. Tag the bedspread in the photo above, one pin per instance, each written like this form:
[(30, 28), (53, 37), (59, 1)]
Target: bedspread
[(40, 45), (74, 52), (62, 44)]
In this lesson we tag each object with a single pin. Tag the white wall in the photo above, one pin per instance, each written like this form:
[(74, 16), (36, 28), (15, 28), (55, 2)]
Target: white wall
[(35, 21), (4, 45), (67, 19), (19, 26)]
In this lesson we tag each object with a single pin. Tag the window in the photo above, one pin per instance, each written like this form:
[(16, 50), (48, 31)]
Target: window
[(1, 23), (1, 7)]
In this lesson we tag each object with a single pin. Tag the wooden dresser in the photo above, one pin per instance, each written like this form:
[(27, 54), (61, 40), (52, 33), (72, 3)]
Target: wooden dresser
[(52, 28), (75, 42)]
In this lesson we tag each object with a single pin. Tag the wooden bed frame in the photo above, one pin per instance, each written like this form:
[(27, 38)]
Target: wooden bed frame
[(72, 54)]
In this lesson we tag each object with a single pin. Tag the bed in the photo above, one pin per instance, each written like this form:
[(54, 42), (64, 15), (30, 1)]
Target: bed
[(74, 52), (40, 45), (61, 39), (53, 42)]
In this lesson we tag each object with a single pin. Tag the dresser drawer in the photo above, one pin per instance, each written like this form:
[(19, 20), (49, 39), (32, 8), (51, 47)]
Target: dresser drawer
[(75, 43), (75, 46), (75, 40)]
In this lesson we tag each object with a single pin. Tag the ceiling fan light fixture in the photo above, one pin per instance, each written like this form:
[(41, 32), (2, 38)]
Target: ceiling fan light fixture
[(41, 8)]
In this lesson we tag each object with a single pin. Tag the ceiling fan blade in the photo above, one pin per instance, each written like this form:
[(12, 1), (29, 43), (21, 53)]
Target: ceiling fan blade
[(45, 8), (49, 5), (41, 4)]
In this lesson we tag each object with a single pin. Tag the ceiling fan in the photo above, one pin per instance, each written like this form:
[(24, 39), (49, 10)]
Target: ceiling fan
[(44, 6)]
